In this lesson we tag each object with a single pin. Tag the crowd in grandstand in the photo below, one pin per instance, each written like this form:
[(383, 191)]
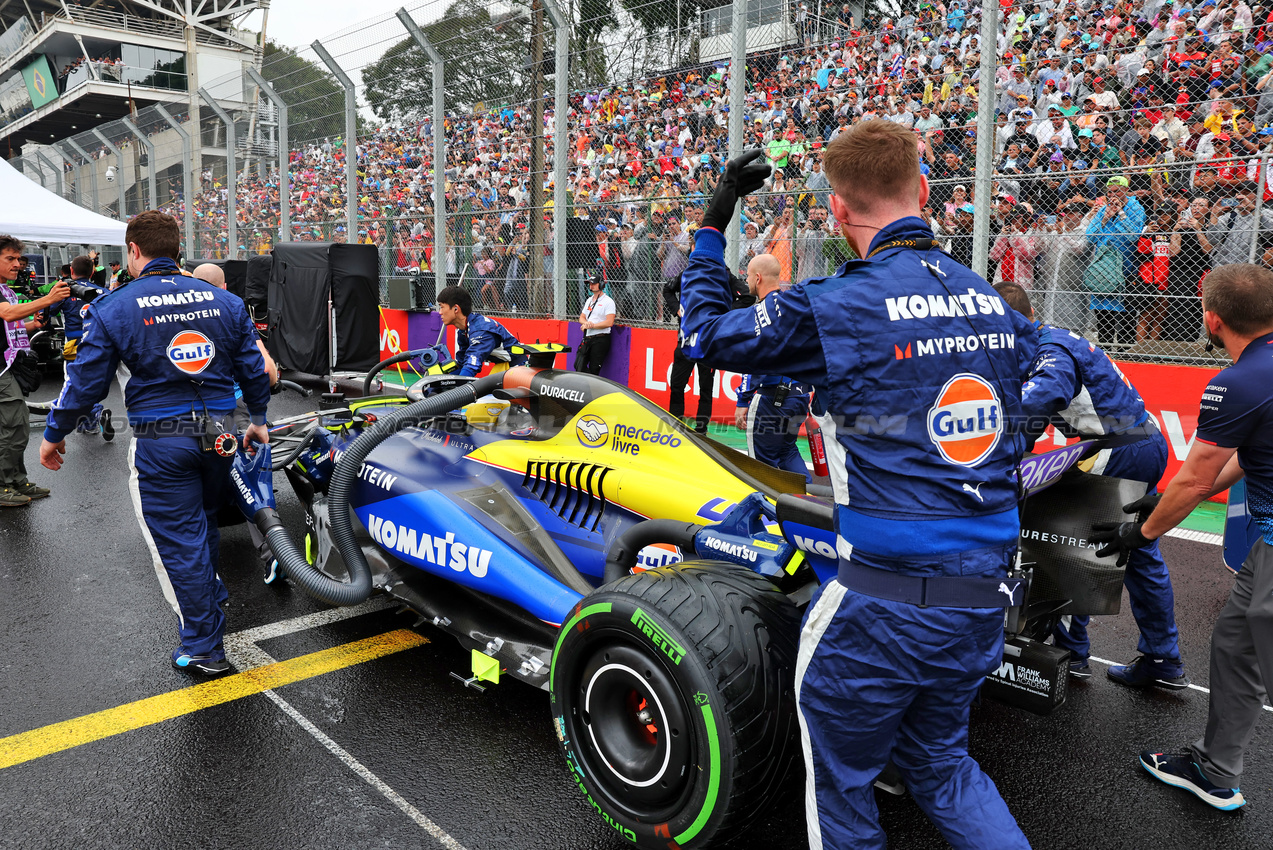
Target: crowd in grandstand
[(1126, 153)]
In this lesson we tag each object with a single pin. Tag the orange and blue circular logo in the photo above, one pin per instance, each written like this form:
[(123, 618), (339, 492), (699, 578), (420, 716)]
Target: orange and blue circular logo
[(592, 430), (966, 423), (191, 352)]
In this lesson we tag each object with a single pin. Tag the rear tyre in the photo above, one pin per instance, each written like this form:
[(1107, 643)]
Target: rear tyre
[(674, 701)]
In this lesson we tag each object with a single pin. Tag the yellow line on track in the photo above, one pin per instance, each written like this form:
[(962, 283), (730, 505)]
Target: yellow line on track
[(26, 746)]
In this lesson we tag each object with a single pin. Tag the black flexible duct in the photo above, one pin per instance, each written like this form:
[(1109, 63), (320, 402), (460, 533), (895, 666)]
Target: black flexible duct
[(622, 556), (393, 361), (358, 588)]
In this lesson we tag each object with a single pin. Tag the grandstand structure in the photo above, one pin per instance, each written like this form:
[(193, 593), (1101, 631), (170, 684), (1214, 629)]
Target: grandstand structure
[(68, 69)]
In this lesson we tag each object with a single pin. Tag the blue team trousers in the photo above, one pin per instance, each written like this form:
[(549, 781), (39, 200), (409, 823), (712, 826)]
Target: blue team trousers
[(182, 487), (772, 431), (1147, 581), (876, 679)]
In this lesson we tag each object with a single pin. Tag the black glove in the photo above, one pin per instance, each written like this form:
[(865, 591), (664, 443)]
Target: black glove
[(1119, 538), (742, 176), (1145, 504)]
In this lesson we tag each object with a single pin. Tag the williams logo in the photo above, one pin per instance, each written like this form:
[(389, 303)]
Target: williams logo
[(592, 431), (191, 352), (966, 420), (658, 637)]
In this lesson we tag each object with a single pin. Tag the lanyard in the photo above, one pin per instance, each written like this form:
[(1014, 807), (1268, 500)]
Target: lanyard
[(922, 244)]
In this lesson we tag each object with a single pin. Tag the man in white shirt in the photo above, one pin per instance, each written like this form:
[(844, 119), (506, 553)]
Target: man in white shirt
[(596, 319)]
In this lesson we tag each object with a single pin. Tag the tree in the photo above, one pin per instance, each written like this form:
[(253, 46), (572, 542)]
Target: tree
[(485, 59), (315, 101)]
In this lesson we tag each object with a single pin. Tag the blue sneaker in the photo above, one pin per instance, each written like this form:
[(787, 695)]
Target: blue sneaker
[(208, 665), (1181, 771), (271, 571), (1079, 668), (1147, 672)]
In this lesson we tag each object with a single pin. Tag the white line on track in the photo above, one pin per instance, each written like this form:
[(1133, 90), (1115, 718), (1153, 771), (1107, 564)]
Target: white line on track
[(243, 652), (1191, 685), (1197, 536)]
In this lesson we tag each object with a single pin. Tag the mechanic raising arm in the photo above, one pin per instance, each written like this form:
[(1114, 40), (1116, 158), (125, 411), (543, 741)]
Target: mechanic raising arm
[(477, 338), (919, 366), (1235, 437), (185, 343), (1076, 387)]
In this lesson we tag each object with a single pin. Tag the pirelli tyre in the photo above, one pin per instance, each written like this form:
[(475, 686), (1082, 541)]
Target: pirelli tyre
[(674, 701)]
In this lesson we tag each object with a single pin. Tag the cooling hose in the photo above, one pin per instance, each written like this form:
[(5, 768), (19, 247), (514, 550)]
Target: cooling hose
[(623, 553), (340, 488), (425, 360)]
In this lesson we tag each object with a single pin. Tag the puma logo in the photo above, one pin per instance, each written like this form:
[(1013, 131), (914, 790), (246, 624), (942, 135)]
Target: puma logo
[(976, 491), (935, 268), (1010, 592)]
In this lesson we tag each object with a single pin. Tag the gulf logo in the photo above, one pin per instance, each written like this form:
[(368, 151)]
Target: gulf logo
[(656, 555), (191, 352), (966, 420)]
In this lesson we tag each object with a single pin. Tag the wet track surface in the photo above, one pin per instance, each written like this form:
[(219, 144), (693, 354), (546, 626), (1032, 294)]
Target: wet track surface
[(84, 628)]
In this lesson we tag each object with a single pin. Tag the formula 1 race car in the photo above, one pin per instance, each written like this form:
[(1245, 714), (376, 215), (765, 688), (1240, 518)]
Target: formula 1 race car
[(577, 537)]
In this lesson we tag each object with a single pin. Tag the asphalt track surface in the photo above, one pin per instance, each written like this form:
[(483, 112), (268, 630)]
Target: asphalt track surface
[(395, 752)]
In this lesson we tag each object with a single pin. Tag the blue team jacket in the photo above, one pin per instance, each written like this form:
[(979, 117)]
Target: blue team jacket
[(1075, 386), (185, 342), (474, 346), (918, 365)]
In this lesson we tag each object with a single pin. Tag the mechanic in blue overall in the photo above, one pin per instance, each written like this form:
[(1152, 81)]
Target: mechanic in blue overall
[(477, 338), (771, 408), (1234, 440), (77, 318), (1075, 386), (917, 365), (185, 343)]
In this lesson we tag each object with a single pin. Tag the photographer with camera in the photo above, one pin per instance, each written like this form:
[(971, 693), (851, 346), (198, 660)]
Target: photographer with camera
[(77, 318), (18, 376)]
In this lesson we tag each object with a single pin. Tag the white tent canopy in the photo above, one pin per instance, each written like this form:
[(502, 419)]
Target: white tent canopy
[(34, 214)]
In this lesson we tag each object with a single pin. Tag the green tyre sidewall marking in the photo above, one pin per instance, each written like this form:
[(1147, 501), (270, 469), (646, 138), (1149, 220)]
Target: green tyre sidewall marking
[(610, 617)]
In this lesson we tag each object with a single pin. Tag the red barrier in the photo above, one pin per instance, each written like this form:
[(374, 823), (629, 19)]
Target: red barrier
[(1171, 393)]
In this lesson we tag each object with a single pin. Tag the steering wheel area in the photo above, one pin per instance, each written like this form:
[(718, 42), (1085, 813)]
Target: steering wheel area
[(433, 384)]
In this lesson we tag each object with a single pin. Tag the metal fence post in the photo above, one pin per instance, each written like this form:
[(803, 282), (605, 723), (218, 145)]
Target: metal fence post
[(39, 172), (561, 120), (231, 175), (1261, 182), (737, 95), (57, 172), (187, 177), (119, 173), (984, 182), (153, 194), (284, 158), (92, 172), (351, 141), (439, 147)]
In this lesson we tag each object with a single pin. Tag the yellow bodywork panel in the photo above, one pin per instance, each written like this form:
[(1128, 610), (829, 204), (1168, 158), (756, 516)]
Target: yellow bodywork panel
[(655, 470)]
